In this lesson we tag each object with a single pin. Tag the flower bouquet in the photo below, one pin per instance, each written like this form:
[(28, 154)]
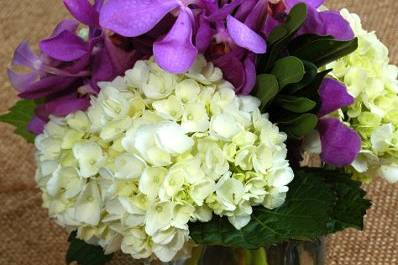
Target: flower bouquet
[(185, 131)]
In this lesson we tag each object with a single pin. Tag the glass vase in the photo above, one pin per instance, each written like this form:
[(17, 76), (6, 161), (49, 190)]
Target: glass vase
[(287, 253)]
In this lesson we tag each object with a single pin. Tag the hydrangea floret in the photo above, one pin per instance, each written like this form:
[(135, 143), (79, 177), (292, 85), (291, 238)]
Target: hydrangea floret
[(155, 151), (372, 81)]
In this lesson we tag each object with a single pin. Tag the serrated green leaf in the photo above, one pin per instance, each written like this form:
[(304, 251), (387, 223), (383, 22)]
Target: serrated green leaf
[(19, 116), (310, 209), (266, 88), (299, 126), (288, 70), (351, 205), (304, 214), (281, 36), (311, 71), (295, 104), (85, 254), (321, 51)]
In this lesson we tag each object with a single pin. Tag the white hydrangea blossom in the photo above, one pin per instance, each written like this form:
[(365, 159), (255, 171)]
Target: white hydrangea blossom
[(372, 81), (155, 151)]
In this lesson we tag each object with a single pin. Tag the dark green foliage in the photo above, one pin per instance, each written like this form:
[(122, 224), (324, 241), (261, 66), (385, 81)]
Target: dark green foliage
[(19, 116), (321, 50), (85, 254), (319, 202)]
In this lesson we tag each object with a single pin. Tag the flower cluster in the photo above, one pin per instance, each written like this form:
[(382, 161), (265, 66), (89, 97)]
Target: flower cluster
[(155, 151), (372, 81)]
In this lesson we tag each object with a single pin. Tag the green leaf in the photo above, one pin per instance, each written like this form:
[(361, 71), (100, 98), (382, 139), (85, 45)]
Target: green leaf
[(306, 40), (311, 91), (288, 70), (299, 126), (311, 71), (295, 104), (304, 214), (295, 20), (351, 205), (281, 36), (312, 206), (19, 116), (321, 50), (85, 254), (266, 88)]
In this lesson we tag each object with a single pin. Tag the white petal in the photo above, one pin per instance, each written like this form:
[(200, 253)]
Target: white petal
[(312, 143), (88, 206), (381, 137), (224, 125), (239, 221), (171, 138), (390, 173), (128, 166)]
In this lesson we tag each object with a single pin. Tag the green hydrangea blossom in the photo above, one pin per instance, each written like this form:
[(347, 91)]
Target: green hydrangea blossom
[(372, 81)]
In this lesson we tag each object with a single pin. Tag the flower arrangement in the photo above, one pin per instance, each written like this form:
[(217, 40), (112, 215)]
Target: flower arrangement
[(165, 126)]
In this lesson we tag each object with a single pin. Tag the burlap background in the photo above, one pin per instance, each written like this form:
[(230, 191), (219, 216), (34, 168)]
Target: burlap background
[(27, 236)]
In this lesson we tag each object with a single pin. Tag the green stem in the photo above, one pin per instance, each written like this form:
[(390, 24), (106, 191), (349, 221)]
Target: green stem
[(197, 253), (259, 257)]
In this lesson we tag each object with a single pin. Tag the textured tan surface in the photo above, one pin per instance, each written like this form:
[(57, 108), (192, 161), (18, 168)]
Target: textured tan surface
[(28, 237)]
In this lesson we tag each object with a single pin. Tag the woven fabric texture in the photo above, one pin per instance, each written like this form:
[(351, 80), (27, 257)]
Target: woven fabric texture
[(27, 235)]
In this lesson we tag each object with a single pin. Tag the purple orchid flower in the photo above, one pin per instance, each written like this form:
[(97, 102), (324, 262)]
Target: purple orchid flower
[(339, 144), (196, 19), (324, 23), (69, 67), (228, 49)]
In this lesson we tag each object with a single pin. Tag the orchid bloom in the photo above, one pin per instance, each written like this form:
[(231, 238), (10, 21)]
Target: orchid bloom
[(237, 63), (176, 51), (340, 145), (69, 66), (318, 22)]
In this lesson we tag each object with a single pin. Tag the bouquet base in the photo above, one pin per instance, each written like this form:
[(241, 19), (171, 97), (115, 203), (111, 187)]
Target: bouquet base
[(286, 253)]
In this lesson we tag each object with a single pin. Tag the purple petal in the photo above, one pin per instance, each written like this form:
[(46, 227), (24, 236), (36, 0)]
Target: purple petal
[(67, 24), (65, 47), (244, 37), (132, 18), (204, 34), (103, 69), (334, 96), (47, 86), (24, 56), (120, 59), (313, 23), (327, 23), (225, 11), (233, 70), (312, 3), (244, 9), (36, 125), (83, 11), (336, 25), (21, 82), (250, 72), (98, 4), (269, 25), (340, 144), (62, 106), (255, 19), (175, 52)]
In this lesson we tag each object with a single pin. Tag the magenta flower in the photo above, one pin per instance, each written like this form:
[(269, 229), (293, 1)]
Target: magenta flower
[(339, 144), (68, 68), (229, 50), (195, 23)]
